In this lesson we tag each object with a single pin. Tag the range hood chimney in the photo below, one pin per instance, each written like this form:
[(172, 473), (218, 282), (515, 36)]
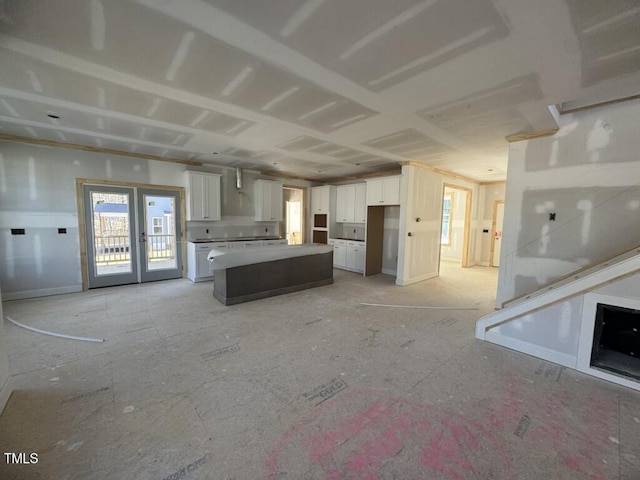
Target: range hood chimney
[(238, 178)]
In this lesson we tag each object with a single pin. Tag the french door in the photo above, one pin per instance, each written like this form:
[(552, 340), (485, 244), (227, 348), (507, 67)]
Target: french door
[(133, 234)]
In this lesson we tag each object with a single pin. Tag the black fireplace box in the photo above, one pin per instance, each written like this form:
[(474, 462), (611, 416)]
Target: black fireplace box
[(616, 340)]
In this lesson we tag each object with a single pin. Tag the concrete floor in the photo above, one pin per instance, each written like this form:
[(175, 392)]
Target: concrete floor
[(310, 385)]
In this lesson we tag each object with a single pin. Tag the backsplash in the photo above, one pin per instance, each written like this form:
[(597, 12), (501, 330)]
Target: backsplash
[(352, 230), (231, 227)]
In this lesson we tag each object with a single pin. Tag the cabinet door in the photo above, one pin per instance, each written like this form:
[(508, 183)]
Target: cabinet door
[(197, 197), (391, 191), (203, 266), (203, 196), (268, 201), (360, 203), (276, 202), (359, 259), (339, 256), (374, 192), (212, 195), (350, 203), (345, 204), (320, 199)]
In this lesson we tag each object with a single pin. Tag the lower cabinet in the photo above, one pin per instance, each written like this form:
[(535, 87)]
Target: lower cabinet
[(199, 268), (339, 253), (355, 256), (348, 254)]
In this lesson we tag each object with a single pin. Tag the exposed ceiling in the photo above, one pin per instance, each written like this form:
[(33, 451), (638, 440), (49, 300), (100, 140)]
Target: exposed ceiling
[(311, 88)]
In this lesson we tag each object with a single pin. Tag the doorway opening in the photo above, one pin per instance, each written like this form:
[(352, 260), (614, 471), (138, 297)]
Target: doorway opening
[(129, 234), (456, 225), (496, 233), (294, 206)]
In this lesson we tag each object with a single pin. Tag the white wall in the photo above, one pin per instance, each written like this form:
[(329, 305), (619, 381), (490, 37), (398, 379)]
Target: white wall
[(588, 174), (5, 379), (37, 193), (563, 332)]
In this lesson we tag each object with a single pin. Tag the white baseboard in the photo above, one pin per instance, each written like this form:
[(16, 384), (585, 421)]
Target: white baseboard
[(451, 260), (5, 393), (43, 292), (402, 282), (532, 349), (388, 271)]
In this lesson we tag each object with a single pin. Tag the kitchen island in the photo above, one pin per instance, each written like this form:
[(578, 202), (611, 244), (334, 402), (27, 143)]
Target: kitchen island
[(243, 276), (200, 270)]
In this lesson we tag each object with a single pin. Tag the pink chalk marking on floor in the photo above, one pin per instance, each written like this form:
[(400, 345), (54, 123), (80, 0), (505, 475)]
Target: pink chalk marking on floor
[(448, 439), (368, 460), (326, 444), (579, 434), (506, 409)]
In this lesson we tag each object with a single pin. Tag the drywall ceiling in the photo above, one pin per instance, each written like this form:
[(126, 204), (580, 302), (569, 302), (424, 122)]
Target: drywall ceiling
[(311, 88)]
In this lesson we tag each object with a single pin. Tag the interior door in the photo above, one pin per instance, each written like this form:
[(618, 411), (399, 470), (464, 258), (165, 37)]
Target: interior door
[(111, 249), (497, 233), (159, 235)]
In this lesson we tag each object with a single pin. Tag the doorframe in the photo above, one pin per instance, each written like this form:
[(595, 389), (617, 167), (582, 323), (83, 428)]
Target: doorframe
[(303, 209), (81, 182), (493, 229), (467, 221)]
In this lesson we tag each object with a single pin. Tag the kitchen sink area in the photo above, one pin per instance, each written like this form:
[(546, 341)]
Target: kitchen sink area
[(199, 269)]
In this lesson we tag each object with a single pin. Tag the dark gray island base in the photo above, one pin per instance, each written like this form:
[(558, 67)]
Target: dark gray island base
[(299, 270)]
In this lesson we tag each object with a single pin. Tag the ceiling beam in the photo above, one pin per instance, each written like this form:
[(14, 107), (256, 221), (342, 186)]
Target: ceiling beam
[(530, 135), (87, 148)]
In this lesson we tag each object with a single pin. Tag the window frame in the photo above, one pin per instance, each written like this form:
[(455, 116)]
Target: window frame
[(154, 226)]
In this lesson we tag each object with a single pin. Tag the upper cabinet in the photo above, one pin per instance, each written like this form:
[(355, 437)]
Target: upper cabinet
[(345, 199), (268, 201), (383, 191), (203, 196), (320, 199), (350, 203), (360, 206)]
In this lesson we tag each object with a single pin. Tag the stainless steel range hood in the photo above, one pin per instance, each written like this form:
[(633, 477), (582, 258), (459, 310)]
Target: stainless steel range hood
[(238, 178)]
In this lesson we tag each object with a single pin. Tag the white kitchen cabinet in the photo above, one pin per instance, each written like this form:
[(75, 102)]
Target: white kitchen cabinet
[(345, 203), (199, 268), (320, 199), (268, 201), (383, 191), (339, 252), (348, 254), (351, 204), (360, 203), (203, 196), (355, 256)]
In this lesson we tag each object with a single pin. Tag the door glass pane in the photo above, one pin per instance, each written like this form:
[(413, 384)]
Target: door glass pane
[(111, 233), (293, 215), (160, 229)]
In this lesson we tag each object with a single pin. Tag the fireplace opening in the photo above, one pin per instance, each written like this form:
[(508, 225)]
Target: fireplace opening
[(616, 340)]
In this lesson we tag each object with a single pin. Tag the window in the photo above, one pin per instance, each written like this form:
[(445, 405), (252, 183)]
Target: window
[(447, 207), (157, 225)]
